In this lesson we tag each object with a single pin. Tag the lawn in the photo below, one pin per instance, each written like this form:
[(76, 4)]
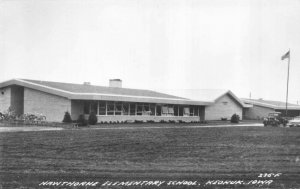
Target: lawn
[(191, 154)]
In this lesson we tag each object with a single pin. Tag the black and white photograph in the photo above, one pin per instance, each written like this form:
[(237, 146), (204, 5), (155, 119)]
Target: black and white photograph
[(149, 94)]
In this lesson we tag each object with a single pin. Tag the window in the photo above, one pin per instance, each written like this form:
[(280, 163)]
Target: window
[(140, 108), (110, 108), (132, 108), (125, 108), (164, 110), (146, 109), (118, 108), (225, 102), (152, 109), (191, 111), (186, 111), (102, 108), (196, 111), (180, 110), (175, 110), (158, 110), (171, 111)]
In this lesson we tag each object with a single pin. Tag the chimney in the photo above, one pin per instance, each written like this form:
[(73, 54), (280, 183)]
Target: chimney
[(87, 83), (115, 83)]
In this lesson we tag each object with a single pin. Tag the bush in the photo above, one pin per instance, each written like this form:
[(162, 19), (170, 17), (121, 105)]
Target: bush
[(93, 118), (172, 121), (138, 121), (82, 121), (235, 118), (67, 118), (150, 121)]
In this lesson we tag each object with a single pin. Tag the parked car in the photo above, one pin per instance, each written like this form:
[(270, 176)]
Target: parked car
[(295, 122), (275, 119)]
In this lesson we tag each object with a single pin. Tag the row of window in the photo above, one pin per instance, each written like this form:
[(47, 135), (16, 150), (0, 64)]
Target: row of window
[(128, 108)]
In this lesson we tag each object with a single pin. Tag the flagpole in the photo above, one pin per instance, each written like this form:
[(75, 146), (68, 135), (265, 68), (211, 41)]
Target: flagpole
[(287, 84)]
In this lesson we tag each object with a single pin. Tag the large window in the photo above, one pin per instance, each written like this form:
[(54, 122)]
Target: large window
[(140, 108), (186, 111), (158, 110), (180, 110), (196, 111), (176, 113), (132, 107), (152, 109), (110, 108), (102, 108), (118, 108), (125, 108)]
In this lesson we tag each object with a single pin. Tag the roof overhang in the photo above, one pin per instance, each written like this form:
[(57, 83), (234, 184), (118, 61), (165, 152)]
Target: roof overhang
[(100, 96), (241, 103), (272, 106)]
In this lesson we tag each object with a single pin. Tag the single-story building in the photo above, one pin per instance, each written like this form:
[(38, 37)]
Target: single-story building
[(112, 103), (223, 103), (261, 108)]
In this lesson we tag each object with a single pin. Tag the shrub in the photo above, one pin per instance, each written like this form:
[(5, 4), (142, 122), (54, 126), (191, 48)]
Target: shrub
[(172, 121), (150, 121), (235, 118), (67, 118), (138, 121), (93, 118), (82, 121)]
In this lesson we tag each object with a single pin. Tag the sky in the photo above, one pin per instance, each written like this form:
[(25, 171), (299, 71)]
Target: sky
[(160, 45)]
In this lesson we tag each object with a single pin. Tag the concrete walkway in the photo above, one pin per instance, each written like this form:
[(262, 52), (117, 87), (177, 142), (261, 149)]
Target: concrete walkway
[(41, 128), (28, 128), (180, 127)]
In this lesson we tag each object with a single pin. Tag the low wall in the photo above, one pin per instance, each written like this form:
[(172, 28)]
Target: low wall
[(146, 118)]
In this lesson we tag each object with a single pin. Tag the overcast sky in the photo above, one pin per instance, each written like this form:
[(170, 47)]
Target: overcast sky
[(155, 44)]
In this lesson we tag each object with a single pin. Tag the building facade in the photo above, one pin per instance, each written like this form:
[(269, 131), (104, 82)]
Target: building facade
[(110, 104), (261, 108)]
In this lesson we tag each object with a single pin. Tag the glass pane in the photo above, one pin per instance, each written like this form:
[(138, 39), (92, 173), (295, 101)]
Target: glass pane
[(176, 110), (186, 111), (164, 109), (125, 109), (102, 108), (140, 108), (118, 108), (158, 110), (132, 108), (110, 108), (152, 109)]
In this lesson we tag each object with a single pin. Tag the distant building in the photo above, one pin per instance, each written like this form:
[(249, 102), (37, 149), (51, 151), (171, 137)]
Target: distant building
[(112, 103), (261, 108), (223, 103)]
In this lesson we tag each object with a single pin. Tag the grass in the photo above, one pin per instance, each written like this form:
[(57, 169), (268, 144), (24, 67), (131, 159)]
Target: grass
[(28, 158)]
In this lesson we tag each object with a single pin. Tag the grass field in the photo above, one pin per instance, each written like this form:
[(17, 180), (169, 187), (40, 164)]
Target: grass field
[(201, 154)]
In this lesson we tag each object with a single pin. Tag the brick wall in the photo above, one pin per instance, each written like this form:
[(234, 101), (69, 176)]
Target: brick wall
[(225, 107), (52, 106), (5, 98)]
